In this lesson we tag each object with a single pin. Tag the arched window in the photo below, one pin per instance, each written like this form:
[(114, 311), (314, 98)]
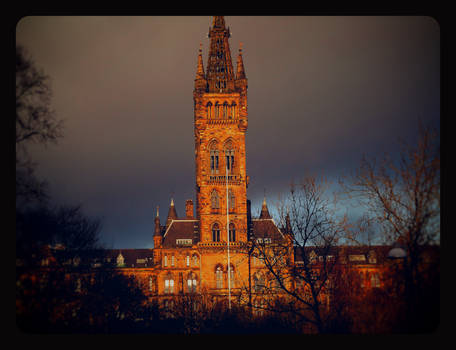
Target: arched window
[(215, 200), (232, 233), (233, 110), (231, 200), (214, 157), (219, 277), (216, 232), (209, 110), (195, 260), (217, 108), (232, 276), (225, 110), (229, 157)]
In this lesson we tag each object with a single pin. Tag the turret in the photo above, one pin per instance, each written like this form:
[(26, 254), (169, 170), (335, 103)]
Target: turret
[(157, 231), (264, 210), (172, 214), (200, 79)]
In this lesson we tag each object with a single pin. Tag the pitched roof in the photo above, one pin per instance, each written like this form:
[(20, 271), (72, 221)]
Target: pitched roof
[(179, 229), (266, 228)]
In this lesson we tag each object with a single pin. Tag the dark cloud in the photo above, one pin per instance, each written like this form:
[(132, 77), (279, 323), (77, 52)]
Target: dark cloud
[(322, 91)]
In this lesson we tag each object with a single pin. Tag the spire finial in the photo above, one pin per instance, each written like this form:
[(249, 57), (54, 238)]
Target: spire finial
[(172, 202), (157, 211)]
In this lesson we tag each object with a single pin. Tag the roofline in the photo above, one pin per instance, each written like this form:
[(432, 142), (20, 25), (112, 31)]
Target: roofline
[(178, 220), (278, 229)]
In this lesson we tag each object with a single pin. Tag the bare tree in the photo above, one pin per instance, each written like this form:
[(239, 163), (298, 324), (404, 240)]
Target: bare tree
[(36, 122), (403, 197), (313, 229)]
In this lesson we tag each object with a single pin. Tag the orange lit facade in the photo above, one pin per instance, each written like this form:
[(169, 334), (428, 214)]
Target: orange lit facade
[(190, 253)]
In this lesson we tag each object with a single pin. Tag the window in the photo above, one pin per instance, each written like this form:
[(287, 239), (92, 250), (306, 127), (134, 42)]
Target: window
[(209, 110), (229, 157), (225, 110), (172, 260), (195, 260), (165, 260), (191, 283), (233, 110), (214, 157), (219, 277), (216, 232), (231, 276), (231, 200), (188, 260), (232, 233), (215, 200), (375, 280), (151, 284), (217, 107), (169, 285)]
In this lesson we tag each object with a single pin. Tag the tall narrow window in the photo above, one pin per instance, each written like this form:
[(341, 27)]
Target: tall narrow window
[(219, 277), (217, 106), (231, 276), (165, 260), (216, 232), (195, 260), (229, 157), (214, 157), (215, 200), (225, 110), (209, 110), (191, 283), (231, 200), (169, 285), (232, 233), (233, 110)]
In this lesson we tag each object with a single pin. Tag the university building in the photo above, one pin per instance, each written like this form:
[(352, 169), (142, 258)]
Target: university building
[(212, 249)]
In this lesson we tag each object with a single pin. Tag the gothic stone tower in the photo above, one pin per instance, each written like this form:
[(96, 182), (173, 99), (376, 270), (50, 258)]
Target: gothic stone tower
[(220, 118)]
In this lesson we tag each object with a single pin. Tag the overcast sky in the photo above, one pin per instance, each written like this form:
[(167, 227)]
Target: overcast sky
[(321, 92)]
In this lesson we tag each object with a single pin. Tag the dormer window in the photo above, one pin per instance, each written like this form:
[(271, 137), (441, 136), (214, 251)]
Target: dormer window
[(120, 260)]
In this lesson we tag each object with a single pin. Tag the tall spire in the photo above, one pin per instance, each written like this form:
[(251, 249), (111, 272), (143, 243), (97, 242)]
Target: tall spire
[(172, 214), (264, 210), (157, 223), (200, 79), (240, 74), (220, 76)]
